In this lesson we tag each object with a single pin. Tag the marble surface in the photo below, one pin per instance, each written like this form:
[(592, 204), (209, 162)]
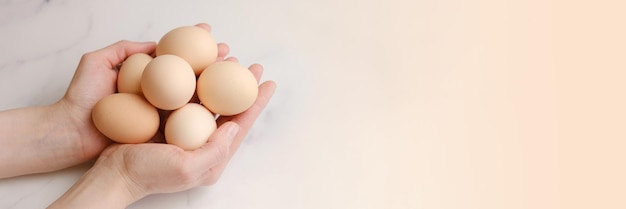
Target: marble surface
[(380, 104)]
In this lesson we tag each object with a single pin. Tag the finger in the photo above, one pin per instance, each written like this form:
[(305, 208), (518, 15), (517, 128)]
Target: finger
[(216, 150), (257, 71), (222, 50), (204, 26), (232, 59), (118, 52), (246, 119), (266, 90)]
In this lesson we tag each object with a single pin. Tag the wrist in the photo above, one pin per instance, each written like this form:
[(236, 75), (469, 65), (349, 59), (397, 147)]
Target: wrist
[(84, 141), (63, 113), (114, 167), (102, 186)]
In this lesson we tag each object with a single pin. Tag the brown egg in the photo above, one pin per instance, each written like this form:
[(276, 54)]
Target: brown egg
[(125, 118), (168, 82), (190, 126), (191, 43), (129, 78), (227, 88)]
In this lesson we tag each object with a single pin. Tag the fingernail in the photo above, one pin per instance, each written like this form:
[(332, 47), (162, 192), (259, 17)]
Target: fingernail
[(232, 130)]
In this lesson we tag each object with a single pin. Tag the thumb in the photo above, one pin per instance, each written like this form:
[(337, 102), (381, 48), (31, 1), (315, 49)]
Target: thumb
[(116, 53), (217, 149)]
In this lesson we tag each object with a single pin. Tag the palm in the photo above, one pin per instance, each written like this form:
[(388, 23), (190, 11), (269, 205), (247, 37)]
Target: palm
[(96, 78), (147, 163), (155, 164)]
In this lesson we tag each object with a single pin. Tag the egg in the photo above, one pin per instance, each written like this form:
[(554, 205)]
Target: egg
[(129, 77), (227, 88), (190, 126), (125, 118), (194, 44), (168, 82)]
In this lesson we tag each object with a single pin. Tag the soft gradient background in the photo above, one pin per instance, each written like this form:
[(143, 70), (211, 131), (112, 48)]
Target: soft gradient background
[(380, 104)]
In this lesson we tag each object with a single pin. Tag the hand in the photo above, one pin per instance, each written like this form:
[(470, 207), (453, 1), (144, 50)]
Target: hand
[(125, 173), (94, 79), (53, 137), (163, 168)]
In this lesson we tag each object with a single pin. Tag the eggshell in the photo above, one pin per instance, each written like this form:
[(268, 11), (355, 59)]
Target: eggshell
[(190, 126), (194, 44), (125, 118), (168, 82), (129, 77), (227, 88)]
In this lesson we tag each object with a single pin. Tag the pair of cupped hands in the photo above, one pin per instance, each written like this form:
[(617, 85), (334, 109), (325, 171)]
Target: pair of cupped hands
[(147, 168)]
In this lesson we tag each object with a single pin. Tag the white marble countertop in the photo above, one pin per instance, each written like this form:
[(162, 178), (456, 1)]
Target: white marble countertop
[(380, 104)]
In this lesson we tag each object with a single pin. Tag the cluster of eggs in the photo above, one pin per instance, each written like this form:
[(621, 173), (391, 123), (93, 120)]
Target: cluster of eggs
[(185, 66)]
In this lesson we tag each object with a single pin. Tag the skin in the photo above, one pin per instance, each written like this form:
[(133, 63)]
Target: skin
[(57, 136)]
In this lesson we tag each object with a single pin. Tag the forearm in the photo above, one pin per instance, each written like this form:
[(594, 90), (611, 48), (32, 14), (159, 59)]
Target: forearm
[(100, 187), (35, 140)]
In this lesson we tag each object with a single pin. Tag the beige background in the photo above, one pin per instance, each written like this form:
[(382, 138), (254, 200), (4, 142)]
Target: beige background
[(590, 43), (380, 104)]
